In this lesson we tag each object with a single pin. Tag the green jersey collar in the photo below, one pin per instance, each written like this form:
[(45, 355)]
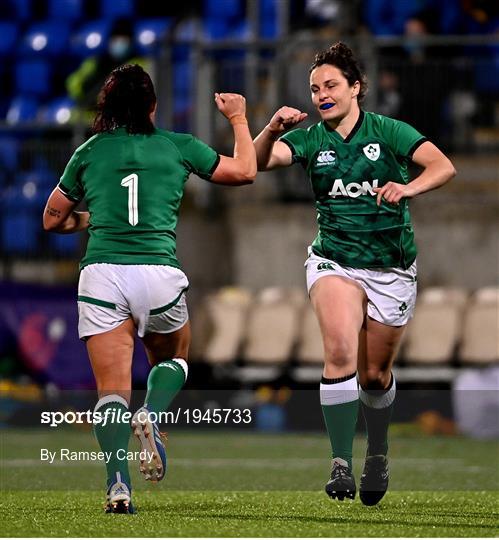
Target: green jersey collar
[(352, 133)]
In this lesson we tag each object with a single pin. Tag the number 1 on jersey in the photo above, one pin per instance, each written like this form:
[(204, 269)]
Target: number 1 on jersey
[(132, 183)]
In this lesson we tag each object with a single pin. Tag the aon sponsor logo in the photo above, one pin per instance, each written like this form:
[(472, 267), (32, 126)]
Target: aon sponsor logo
[(353, 189)]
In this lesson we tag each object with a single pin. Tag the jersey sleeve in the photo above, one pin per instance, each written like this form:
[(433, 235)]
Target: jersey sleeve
[(297, 142), (402, 138), (70, 182), (199, 158)]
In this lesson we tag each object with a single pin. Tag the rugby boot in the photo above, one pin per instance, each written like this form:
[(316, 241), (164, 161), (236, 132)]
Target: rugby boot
[(342, 483), (153, 460), (374, 480)]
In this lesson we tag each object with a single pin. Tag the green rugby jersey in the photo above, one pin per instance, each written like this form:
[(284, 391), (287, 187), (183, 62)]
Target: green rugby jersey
[(353, 230), (133, 186)]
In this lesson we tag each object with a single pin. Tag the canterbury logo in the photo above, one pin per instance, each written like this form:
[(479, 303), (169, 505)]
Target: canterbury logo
[(325, 266), (327, 157)]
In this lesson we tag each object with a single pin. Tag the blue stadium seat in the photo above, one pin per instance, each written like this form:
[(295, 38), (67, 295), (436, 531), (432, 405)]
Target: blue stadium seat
[(33, 77), (65, 244), (68, 10), (269, 28), (22, 109), (223, 9), (27, 195), (58, 111), (9, 33), (182, 104), (91, 38), (182, 77), (185, 33), (113, 9), (216, 28), (4, 179), (149, 32), (9, 153), (268, 24), (36, 183), (487, 75), (47, 38), (20, 232), (241, 31), (21, 218), (187, 30), (21, 9)]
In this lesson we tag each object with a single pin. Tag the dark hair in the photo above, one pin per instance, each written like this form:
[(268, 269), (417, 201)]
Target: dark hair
[(122, 27), (126, 99), (341, 56)]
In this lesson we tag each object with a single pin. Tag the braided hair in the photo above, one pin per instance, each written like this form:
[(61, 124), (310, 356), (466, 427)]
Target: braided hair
[(126, 99)]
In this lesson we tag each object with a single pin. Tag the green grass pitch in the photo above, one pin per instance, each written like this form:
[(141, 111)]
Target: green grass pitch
[(250, 485)]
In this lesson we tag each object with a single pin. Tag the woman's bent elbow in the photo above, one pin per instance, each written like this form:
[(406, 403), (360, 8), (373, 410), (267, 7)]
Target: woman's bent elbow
[(450, 172), (247, 179), (51, 225), (48, 225), (248, 176)]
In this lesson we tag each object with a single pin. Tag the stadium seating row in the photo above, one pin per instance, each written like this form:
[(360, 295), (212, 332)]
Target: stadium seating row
[(57, 36), (450, 326), (36, 36), (78, 10), (47, 43), (21, 207), (49, 39), (67, 9)]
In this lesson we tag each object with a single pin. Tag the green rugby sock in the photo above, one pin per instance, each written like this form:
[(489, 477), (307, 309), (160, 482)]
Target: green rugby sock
[(164, 382), (113, 433), (340, 405), (377, 408)]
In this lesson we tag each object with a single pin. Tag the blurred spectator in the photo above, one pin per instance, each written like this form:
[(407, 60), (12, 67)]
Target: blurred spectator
[(481, 16), (389, 98), (414, 78), (389, 18), (416, 28), (326, 10), (320, 14), (84, 84)]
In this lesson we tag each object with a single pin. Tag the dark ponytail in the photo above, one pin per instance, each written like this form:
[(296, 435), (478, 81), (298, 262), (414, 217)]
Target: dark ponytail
[(126, 99)]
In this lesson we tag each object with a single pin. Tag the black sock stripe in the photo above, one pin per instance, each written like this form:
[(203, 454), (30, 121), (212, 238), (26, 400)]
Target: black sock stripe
[(340, 379)]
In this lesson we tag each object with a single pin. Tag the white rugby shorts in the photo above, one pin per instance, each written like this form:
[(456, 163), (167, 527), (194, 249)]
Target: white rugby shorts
[(391, 292), (152, 295)]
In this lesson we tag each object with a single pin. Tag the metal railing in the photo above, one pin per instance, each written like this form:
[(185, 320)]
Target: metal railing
[(445, 86)]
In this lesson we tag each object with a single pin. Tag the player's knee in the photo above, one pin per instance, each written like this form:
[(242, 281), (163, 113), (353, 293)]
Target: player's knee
[(339, 352), (374, 379)]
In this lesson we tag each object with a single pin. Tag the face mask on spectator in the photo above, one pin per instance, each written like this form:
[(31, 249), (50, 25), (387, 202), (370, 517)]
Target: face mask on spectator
[(119, 47)]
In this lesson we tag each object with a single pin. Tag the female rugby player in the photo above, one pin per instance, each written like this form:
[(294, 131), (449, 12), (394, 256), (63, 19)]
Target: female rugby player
[(361, 268), (132, 176)]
